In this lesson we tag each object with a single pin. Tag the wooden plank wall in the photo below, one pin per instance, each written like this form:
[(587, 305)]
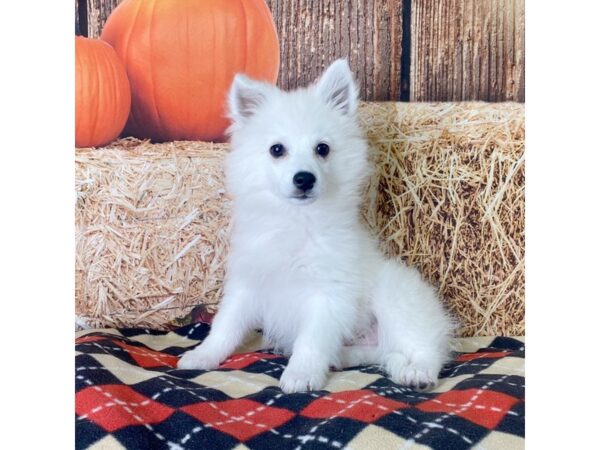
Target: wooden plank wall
[(97, 13), (467, 49), (417, 50), (312, 33)]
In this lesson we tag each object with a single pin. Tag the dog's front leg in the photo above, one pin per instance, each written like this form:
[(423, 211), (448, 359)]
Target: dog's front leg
[(316, 347), (235, 318)]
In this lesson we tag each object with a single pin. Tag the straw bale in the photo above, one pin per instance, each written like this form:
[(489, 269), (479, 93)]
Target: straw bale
[(152, 224), (447, 195)]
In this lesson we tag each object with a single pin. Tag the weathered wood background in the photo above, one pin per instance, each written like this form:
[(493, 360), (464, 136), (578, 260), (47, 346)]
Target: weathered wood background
[(408, 50)]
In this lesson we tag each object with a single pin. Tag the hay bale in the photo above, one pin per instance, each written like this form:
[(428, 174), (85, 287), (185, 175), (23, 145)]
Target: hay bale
[(447, 196), (152, 225)]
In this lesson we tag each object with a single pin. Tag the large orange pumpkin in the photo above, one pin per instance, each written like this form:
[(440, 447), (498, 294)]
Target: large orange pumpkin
[(181, 56), (102, 94)]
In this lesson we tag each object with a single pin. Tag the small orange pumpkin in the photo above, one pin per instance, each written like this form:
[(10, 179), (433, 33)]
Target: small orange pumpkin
[(181, 57), (102, 93)]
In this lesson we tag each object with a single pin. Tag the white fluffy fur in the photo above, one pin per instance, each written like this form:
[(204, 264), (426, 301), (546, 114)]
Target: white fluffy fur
[(306, 271)]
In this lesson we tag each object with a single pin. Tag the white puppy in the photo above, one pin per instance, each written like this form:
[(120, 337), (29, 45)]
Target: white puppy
[(302, 266)]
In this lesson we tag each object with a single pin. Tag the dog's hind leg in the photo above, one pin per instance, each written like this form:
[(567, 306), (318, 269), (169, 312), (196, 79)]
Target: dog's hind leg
[(414, 328)]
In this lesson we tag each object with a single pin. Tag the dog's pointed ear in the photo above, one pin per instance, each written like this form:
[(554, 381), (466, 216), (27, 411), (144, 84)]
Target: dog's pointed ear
[(337, 87), (245, 97)]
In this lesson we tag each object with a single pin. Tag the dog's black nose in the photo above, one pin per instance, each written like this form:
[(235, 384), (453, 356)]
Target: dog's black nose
[(304, 181)]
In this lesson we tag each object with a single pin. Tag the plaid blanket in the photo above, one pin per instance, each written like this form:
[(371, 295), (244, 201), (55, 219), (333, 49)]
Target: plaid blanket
[(129, 394)]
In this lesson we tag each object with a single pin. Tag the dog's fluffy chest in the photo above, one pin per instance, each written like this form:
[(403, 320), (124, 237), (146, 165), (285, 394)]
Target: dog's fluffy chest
[(295, 250), (295, 263)]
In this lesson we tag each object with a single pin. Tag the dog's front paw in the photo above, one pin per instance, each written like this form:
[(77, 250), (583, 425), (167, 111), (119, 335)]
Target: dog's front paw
[(301, 380), (199, 358)]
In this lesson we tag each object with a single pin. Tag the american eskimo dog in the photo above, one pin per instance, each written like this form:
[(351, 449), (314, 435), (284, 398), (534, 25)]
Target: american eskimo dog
[(302, 266)]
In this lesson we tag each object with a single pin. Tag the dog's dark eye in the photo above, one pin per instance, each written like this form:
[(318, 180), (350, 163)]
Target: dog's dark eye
[(277, 150), (322, 150)]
